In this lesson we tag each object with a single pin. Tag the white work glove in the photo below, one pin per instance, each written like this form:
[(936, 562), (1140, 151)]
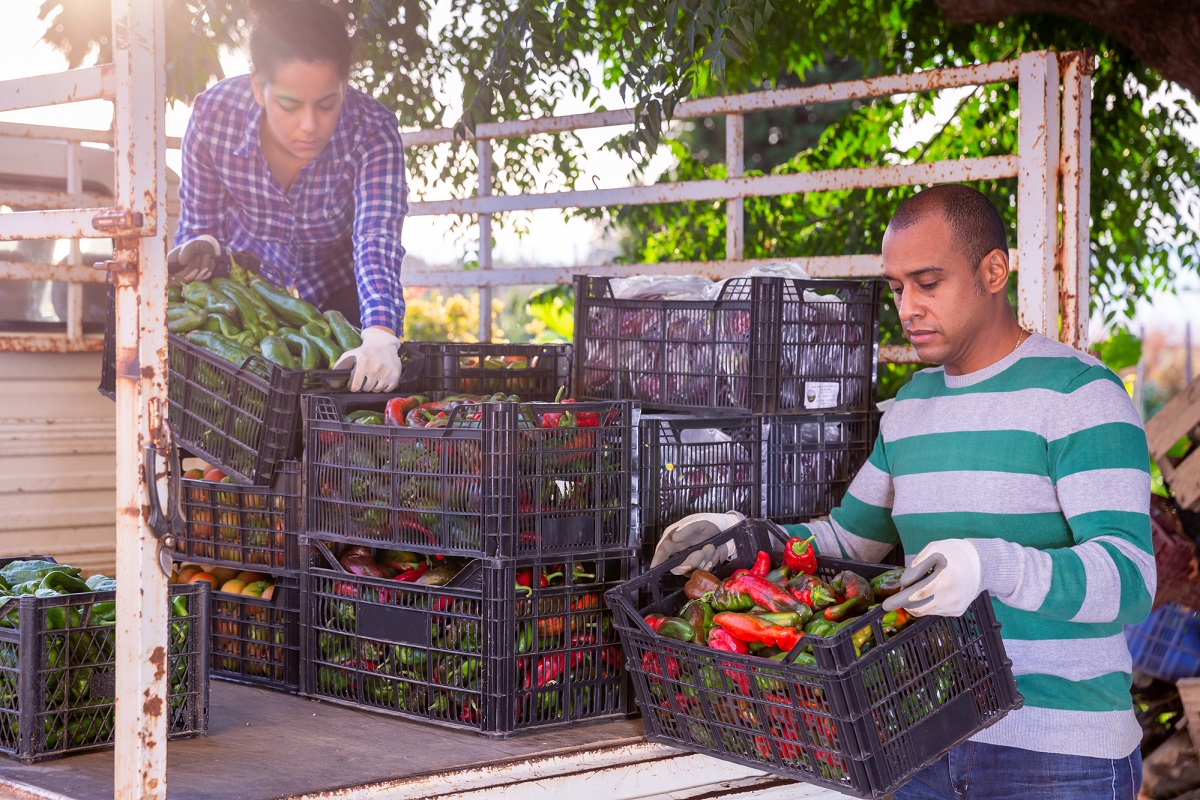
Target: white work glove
[(688, 534), (194, 260), (956, 582), (376, 362)]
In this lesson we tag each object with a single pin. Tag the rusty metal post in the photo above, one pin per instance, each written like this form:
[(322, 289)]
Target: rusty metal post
[(735, 156), (1037, 192), (483, 151), (1075, 169), (142, 645)]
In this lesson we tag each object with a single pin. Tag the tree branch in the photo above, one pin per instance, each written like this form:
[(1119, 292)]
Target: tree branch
[(1160, 33)]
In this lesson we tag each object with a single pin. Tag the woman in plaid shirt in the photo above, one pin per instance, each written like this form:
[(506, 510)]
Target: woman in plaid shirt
[(306, 174)]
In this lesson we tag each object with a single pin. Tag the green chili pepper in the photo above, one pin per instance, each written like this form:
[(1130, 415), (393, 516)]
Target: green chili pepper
[(327, 346), (219, 323), (308, 353), (275, 349), (290, 309), (200, 294), (343, 332)]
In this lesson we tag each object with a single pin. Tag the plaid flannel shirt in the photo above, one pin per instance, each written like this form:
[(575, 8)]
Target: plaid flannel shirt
[(340, 221)]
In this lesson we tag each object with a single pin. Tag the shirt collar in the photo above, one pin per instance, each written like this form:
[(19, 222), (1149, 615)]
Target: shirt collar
[(249, 144)]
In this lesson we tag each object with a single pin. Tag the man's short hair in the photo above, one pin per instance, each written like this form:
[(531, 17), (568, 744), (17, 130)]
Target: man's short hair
[(974, 221)]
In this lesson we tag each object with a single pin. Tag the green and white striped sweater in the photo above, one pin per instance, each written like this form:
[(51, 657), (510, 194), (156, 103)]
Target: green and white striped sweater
[(1040, 462)]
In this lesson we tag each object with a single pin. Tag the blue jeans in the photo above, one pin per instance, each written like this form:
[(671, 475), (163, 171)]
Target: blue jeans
[(974, 771)]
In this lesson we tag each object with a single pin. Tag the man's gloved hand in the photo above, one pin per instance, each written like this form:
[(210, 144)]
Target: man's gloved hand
[(689, 533), (194, 260), (376, 362), (949, 591)]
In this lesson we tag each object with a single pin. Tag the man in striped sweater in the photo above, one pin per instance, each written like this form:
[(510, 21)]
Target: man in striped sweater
[(1023, 463)]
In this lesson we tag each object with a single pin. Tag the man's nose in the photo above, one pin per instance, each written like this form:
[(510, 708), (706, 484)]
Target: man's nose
[(906, 306)]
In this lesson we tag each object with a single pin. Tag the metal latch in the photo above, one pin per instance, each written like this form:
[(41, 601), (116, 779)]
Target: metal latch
[(164, 525)]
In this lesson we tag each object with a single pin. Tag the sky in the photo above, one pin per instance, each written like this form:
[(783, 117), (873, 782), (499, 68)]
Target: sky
[(551, 240)]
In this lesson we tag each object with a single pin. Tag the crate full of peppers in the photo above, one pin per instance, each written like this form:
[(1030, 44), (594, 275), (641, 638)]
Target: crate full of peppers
[(533, 371), (470, 475), (233, 525), (240, 352), (58, 660), (786, 662), (495, 647)]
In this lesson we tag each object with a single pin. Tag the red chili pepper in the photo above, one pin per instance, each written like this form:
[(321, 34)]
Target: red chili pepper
[(749, 628), (410, 575), (737, 573), (396, 410), (764, 593), (800, 555), (721, 639), (762, 564)]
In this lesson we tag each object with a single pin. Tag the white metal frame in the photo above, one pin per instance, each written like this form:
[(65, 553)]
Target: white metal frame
[(135, 83), (1038, 166)]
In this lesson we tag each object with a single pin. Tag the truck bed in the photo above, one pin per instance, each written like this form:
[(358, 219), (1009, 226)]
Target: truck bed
[(264, 745)]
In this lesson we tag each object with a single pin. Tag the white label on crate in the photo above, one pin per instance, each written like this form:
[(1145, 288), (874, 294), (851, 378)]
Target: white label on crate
[(819, 394)]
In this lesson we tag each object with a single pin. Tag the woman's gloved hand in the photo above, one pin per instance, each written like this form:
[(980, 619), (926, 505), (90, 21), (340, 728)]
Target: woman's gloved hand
[(194, 260), (376, 362), (690, 533)]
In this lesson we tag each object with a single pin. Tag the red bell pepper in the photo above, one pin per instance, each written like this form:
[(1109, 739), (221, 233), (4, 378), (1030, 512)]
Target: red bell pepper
[(762, 564), (800, 555)]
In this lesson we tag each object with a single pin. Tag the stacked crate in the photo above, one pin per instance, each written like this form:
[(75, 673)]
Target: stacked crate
[(250, 532), (760, 401), (498, 495)]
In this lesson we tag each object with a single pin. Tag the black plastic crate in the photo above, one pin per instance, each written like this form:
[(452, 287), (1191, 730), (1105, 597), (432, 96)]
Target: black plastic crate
[(811, 460), (257, 641), (533, 372), (766, 346), (785, 468), (232, 525), (691, 465), (490, 483), (58, 672), (477, 653), (862, 725), (244, 419)]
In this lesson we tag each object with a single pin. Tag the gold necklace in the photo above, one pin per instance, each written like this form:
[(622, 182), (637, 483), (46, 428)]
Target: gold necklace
[(1020, 338)]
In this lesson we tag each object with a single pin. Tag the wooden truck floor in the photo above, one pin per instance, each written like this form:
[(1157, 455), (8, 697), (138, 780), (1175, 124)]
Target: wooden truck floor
[(264, 745)]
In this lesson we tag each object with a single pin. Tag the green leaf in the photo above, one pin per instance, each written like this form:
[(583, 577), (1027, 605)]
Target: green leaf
[(1120, 350)]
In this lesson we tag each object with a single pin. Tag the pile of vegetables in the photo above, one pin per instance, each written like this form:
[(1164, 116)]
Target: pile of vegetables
[(244, 315), (561, 636), (766, 611), (78, 652)]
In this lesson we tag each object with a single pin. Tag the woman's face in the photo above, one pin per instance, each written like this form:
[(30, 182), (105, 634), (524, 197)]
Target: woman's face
[(301, 101)]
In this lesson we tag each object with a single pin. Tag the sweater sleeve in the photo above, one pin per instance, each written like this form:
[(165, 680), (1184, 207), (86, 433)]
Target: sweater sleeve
[(861, 528), (1099, 465)]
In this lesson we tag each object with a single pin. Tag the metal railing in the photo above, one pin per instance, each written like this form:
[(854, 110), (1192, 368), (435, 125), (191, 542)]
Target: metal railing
[(1053, 286), (136, 222)]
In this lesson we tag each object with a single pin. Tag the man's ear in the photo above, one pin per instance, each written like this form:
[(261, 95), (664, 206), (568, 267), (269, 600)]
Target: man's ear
[(993, 271)]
